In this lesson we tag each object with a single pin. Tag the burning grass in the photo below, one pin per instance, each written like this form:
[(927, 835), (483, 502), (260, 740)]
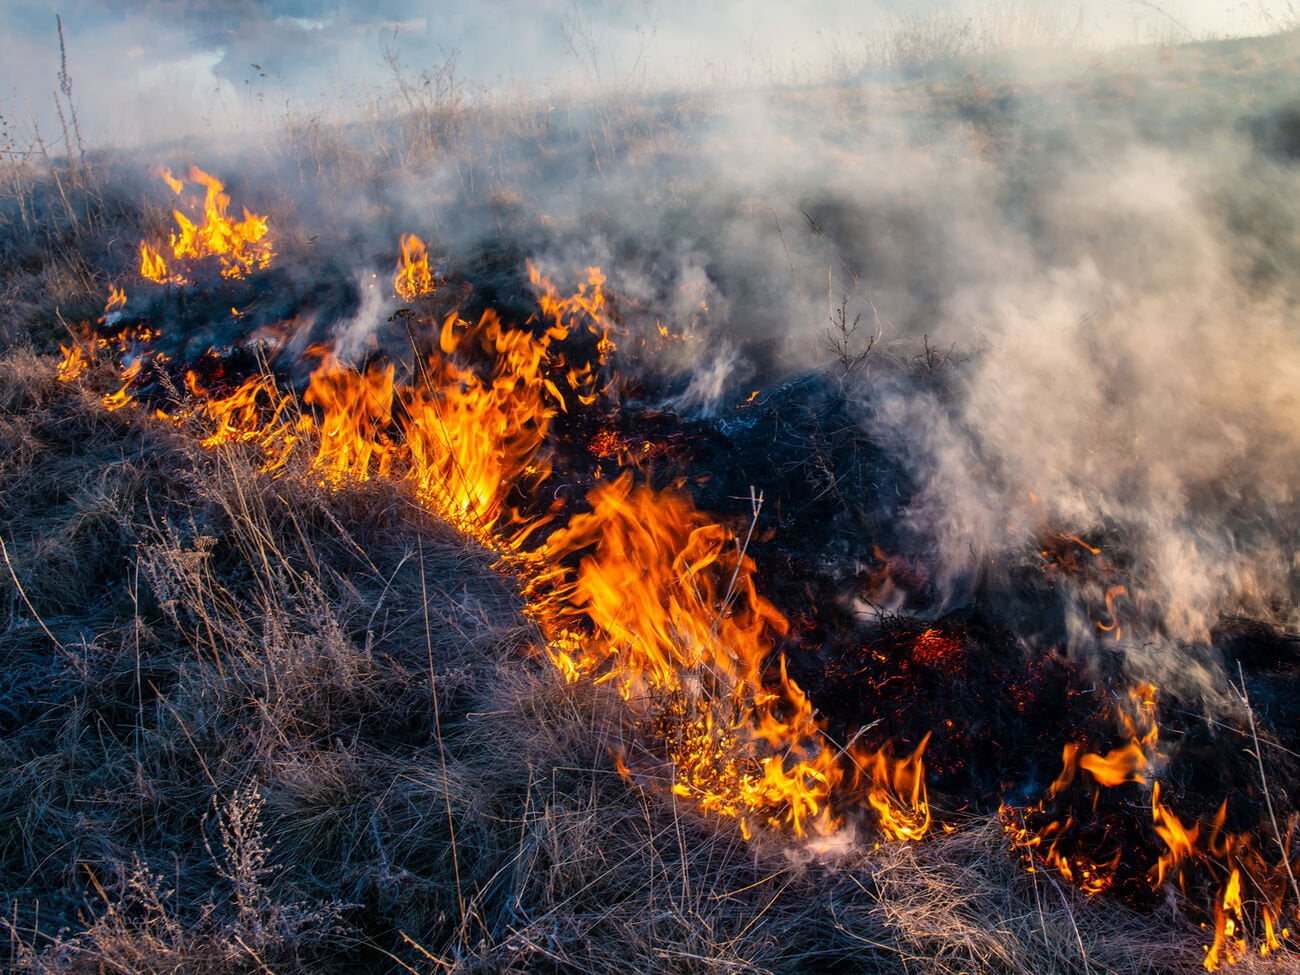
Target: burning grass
[(705, 712), (226, 750)]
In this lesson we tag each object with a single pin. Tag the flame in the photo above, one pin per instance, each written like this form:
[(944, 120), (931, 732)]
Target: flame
[(356, 412), (1179, 840), (641, 591), (124, 395), (240, 246), (82, 353), (1117, 766), (1228, 859), (474, 435), (1229, 941), (256, 412), (1112, 593), (638, 590), (897, 793), (116, 300), (76, 359), (414, 279), (153, 267), (648, 594), (176, 185)]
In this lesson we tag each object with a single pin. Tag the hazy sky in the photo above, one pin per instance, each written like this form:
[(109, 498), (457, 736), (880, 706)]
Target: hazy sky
[(143, 69)]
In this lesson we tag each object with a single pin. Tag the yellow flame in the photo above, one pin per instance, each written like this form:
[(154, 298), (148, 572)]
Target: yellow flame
[(414, 279), (240, 246)]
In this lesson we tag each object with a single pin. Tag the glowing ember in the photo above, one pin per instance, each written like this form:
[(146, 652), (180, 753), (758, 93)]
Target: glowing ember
[(938, 651)]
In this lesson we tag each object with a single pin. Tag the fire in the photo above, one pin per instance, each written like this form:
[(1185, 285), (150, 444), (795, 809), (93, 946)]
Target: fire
[(1113, 627), (1229, 941), (897, 793), (639, 589), (240, 246), (474, 435), (1190, 851), (116, 300), (256, 412), (1179, 840), (124, 395), (176, 185), (356, 410), (153, 267), (81, 354), (75, 361), (633, 587), (646, 593), (414, 279)]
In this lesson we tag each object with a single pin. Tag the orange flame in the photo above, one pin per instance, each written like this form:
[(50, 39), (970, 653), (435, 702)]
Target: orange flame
[(662, 604), (356, 411), (1179, 840), (641, 590), (897, 793), (116, 300), (74, 363), (176, 185), (81, 354), (1231, 857), (124, 395), (153, 267), (1112, 593)]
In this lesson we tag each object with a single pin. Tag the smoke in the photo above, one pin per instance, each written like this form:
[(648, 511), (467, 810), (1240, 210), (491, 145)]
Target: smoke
[(1078, 269), (1078, 282), (202, 67)]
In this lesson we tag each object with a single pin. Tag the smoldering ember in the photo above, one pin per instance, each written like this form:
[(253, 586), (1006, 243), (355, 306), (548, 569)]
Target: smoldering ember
[(717, 490)]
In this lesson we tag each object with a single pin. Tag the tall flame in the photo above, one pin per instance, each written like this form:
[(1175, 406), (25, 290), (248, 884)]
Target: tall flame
[(240, 246), (414, 279)]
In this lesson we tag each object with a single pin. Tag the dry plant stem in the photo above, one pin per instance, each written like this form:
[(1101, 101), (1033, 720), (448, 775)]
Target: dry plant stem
[(437, 731), (1263, 781), (4, 550), (756, 506)]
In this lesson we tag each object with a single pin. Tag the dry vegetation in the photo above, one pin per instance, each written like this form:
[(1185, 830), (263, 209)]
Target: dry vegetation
[(257, 725)]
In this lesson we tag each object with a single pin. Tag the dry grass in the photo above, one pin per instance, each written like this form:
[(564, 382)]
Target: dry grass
[(254, 725)]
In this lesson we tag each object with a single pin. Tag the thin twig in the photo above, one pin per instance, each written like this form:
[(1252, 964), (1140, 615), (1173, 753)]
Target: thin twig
[(437, 731), (30, 608), (1263, 781)]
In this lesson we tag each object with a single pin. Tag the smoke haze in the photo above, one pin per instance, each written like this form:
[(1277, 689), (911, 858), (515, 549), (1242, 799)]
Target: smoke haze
[(145, 72), (1103, 251)]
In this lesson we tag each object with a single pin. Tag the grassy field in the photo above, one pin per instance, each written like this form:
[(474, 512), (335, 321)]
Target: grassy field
[(251, 723)]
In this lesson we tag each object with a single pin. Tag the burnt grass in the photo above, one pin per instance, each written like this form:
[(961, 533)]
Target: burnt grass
[(252, 724)]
